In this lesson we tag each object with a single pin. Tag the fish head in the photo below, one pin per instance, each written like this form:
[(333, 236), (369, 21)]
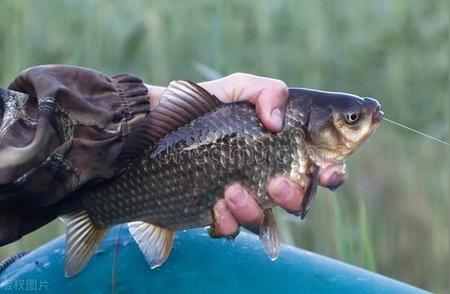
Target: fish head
[(338, 123)]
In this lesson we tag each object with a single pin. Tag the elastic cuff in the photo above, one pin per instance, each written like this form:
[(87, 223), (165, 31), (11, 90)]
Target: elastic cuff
[(133, 95), (135, 105)]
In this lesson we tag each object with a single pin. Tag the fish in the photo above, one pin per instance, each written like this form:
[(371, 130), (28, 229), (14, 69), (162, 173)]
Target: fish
[(204, 145)]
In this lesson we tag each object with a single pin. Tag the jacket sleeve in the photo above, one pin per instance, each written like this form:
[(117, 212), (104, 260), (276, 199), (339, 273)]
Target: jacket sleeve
[(67, 127)]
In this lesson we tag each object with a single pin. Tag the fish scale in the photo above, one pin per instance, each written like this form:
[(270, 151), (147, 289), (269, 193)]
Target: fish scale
[(180, 187)]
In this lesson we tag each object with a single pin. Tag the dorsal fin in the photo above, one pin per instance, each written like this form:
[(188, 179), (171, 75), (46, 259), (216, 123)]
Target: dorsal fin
[(82, 239), (155, 242), (181, 103)]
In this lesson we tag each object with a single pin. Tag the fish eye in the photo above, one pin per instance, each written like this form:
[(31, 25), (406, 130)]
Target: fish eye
[(352, 117)]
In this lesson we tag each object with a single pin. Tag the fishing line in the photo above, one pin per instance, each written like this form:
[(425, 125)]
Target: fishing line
[(417, 132)]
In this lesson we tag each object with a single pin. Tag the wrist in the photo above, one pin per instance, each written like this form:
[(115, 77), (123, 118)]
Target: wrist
[(154, 94), (223, 88)]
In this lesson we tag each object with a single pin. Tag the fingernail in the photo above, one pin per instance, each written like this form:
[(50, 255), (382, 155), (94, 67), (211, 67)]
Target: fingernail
[(277, 118), (220, 209), (336, 181), (283, 190), (333, 180), (238, 197)]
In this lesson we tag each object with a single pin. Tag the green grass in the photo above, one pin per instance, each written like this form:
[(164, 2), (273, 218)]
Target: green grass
[(392, 214)]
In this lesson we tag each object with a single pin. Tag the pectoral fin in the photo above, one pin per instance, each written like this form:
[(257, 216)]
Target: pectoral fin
[(82, 239), (310, 192), (269, 234), (154, 242)]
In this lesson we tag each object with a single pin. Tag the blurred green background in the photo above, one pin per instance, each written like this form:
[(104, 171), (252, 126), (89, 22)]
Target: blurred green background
[(392, 214)]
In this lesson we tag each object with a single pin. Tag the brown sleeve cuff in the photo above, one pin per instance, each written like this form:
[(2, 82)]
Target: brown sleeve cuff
[(132, 94)]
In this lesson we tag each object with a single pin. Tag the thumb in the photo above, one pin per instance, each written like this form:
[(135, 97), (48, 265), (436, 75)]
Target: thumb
[(271, 104)]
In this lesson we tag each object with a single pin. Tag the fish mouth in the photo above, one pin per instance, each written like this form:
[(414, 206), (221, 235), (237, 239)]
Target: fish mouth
[(377, 115), (373, 105)]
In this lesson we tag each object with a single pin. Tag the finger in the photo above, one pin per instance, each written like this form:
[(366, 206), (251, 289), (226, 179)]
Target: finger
[(268, 95), (286, 194), (332, 176), (271, 103), (243, 207), (225, 224)]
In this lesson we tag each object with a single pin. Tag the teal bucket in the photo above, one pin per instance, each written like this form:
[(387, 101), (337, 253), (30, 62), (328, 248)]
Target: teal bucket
[(197, 264)]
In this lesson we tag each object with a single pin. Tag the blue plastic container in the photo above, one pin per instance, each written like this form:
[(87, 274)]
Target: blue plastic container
[(197, 264)]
